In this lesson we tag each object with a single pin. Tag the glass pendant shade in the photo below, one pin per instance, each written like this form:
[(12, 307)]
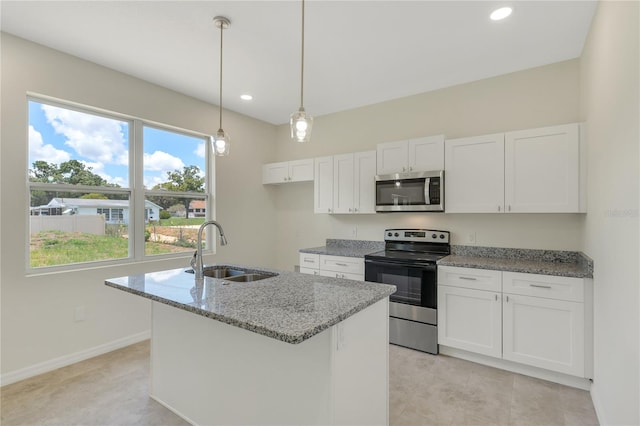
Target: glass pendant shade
[(301, 125), (220, 143)]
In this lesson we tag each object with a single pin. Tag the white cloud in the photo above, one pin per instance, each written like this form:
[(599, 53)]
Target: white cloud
[(162, 161), (97, 138), (200, 151), (38, 150)]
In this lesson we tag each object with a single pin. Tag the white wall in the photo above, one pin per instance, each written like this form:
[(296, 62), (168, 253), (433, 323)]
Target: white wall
[(537, 97), (610, 106), (38, 311)]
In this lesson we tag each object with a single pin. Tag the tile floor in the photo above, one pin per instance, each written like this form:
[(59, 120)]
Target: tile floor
[(112, 389)]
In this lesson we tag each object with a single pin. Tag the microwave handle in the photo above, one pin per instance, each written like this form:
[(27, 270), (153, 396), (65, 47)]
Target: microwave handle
[(427, 197)]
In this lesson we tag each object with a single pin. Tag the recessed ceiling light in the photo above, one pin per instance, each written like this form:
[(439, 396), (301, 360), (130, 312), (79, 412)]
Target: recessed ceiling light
[(501, 13), (246, 97)]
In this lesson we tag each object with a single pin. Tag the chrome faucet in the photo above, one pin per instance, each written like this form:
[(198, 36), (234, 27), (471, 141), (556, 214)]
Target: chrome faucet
[(196, 262)]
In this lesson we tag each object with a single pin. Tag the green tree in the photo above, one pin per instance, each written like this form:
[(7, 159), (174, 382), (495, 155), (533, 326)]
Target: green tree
[(187, 180), (71, 172), (94, 196)]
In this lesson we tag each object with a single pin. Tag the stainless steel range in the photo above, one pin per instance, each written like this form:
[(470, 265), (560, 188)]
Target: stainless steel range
[(409, 263)]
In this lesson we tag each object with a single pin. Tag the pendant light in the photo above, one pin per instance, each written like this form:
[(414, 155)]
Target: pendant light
[(220, 142), (301, 122)]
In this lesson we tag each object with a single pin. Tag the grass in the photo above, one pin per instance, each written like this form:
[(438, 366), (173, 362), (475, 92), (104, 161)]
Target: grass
[(50, 248)]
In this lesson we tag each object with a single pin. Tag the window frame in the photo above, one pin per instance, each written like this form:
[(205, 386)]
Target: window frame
[(136, 191)]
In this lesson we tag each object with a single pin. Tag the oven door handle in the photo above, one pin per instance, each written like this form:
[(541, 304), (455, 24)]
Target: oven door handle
[(428, 267)]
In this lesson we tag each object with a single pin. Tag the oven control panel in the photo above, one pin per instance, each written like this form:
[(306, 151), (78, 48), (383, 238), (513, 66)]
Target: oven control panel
[(417, 235)]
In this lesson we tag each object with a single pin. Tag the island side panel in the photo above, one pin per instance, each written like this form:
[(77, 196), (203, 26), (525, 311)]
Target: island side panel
[(361, 367), (209, 373)]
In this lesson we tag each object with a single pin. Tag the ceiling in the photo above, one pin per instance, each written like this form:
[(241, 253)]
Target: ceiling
[(356, 52)]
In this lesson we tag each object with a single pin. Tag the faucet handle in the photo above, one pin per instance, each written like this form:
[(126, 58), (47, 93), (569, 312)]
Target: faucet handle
[(194, 259)]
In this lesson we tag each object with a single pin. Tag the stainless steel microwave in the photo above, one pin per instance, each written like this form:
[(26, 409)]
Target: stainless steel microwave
[(410, 192)]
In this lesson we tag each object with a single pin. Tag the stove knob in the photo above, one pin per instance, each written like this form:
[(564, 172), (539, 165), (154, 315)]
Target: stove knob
[(442, 236), (396, 235), (434, 236), (389, 234)]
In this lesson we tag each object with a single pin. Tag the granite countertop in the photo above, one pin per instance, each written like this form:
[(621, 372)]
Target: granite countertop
[(290, 307), (546, 262), (346, 248)]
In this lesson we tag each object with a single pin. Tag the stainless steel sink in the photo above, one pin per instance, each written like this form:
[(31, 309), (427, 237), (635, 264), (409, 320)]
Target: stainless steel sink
[(219, 271), (233, 274), (245, 278)]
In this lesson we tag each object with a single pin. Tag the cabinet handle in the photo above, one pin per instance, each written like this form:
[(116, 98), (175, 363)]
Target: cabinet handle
[(496, 297), (355, 210), (349, 209), (328, 210), (410, 169), (308, 261), (509, 207), (342, 264), (507, 299), (315, 272), (404, 169), (540, 286), (498, 208), (468, 278), (337, 275)]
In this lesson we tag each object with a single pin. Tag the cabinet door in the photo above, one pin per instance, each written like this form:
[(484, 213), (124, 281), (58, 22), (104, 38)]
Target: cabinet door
[(474, 174), (275, 173), (364, 191), (545, 333), (426, 154), (392, 157), (542, 170), (323, 185), (470, 320), (343, 183), (301, 170)]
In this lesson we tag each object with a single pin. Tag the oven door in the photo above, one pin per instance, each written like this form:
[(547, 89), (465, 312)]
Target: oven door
[(416, 283)]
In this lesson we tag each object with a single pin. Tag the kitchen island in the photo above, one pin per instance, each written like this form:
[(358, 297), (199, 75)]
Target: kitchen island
[(287, 349)]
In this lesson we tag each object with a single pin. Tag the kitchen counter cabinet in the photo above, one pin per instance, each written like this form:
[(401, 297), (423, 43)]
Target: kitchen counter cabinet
[(292, 349)]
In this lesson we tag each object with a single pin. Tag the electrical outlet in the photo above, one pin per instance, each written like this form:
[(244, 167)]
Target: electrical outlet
[(471, 238), (78, 313), (353, 232)]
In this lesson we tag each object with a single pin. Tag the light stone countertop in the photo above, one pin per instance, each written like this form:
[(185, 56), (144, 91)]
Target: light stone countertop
[(290, 307), (545, 262), (346, 248)]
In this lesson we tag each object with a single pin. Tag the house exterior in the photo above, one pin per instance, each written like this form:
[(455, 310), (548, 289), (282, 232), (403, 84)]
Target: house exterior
[(114, 211), (197, 208)]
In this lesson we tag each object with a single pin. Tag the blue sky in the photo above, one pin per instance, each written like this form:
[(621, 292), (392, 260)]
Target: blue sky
[(57, 135)]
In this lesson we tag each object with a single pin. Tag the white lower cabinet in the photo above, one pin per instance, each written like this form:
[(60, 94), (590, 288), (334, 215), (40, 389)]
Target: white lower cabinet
[(350, 268), (537, 320), (545, 333), (470, 319)]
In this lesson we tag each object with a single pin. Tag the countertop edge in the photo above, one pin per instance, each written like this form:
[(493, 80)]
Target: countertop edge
[(572, 270)]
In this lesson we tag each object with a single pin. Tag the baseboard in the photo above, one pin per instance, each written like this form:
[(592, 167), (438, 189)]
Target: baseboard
[(597, 405), (539, 373), (63, 361), (174, 411)]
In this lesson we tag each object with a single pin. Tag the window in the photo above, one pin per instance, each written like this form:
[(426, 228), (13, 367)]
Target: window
[(82, 206)]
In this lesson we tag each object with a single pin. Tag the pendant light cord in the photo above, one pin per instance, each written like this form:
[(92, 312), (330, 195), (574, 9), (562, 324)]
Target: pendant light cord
[(302, 63), (220, 103)]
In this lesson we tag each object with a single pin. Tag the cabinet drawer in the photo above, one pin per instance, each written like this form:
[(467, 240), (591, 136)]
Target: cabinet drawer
[(310, 271), (343, 275), (350, 265), (478, 279), (547, 286), (309, 260)]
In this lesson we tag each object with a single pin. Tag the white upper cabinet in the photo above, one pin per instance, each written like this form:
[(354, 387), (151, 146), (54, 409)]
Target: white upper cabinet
[(288, 171), (323, 185), (414, 155), (354, 182), (364, 185), (529, 171), (474, 174), (542, 169)]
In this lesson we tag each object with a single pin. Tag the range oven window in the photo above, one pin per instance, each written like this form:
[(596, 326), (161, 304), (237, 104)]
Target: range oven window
[(416, 285)]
